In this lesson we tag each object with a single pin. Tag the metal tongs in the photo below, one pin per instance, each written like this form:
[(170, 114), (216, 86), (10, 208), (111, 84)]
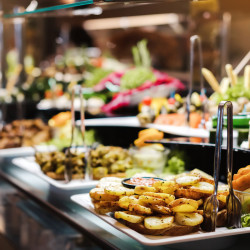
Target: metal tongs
[(68, 162), (193, 40), (233, 204)]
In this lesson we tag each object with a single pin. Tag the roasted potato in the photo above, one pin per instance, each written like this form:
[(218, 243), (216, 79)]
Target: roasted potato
[(166, 197), (188, 180), (119, 191), (161, 209), (150, 200), (188, 219), (103, 207), (143, 189), (158, 222), (139, 209), (125, 201), (190, 194), (100, 195), (167, 187), (129, 216), (184, 205)]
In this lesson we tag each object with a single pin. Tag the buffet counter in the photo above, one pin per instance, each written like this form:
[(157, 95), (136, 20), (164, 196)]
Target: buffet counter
[(65, 221)]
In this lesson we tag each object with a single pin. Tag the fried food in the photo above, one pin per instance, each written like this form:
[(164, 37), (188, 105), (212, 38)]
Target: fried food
[(119, 191), (188, 219), (99, 194), (184, 205), (125, 201), (158, 222), (143, 189), (188, 180), (140, 209), (129, 216)]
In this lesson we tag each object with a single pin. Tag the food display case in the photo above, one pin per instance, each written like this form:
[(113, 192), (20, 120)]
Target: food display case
[(101, 80)]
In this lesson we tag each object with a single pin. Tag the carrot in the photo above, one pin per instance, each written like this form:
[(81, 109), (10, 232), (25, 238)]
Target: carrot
[(243, 172), (242, 183)]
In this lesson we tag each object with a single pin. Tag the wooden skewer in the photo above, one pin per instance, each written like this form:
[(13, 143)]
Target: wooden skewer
[(231, 75), (211, 80), (247, 77)]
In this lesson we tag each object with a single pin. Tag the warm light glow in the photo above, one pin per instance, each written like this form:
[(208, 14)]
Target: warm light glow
[(128, 22)]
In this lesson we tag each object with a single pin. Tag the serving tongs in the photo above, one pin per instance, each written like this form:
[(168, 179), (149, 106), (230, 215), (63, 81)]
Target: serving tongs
[(233, 204), (68, 153), (86, 149), (193, 40)]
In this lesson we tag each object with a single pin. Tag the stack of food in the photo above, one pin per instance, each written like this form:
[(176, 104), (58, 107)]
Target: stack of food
[(21, 133), (109, 160), (161, 207), (53, 164)]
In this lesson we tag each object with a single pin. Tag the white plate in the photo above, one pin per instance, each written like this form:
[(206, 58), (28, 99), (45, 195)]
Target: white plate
[(85, 201), (25, 150), (29, 164), (132, 121)]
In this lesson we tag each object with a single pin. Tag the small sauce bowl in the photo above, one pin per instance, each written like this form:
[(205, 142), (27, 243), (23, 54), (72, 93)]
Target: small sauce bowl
[(140, 181)]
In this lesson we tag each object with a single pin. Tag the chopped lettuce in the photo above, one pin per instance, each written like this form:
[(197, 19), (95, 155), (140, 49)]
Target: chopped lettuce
[(232, 93), (62, 143), (175, 166), (136, 77), (96, 76), (142, 72), (245, 220)]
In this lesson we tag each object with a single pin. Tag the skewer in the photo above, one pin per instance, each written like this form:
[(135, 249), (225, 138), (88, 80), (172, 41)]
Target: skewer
[(242, 63), (247, 77), (231, 74), (211, 80)]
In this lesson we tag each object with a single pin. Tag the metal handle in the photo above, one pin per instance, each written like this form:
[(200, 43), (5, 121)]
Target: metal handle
[(72, 116), (193, 40), (217, 155), (82, 112)]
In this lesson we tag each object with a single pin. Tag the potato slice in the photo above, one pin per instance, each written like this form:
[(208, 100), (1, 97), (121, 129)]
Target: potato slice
[(222, 198), (188, 180), (150, 200), (184, 205), (119, 191), (190, 193), (143, 189), (223, 189), (203, 187), (158, 222), (100, 195), (161, 209), (139, 209), (125, 201), (188, 219), (166, 197), (160, 184), (103, 207), (128, 216), (167, 190)]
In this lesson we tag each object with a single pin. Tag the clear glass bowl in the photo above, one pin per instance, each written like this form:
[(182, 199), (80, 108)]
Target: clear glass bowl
[(149, 158), (244, 197)]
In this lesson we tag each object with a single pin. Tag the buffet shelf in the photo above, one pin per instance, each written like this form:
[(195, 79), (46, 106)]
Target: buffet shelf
[(58, 201)]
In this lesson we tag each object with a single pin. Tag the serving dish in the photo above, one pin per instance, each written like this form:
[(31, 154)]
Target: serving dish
[(29, 164), (85, 201), (21, 151)]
